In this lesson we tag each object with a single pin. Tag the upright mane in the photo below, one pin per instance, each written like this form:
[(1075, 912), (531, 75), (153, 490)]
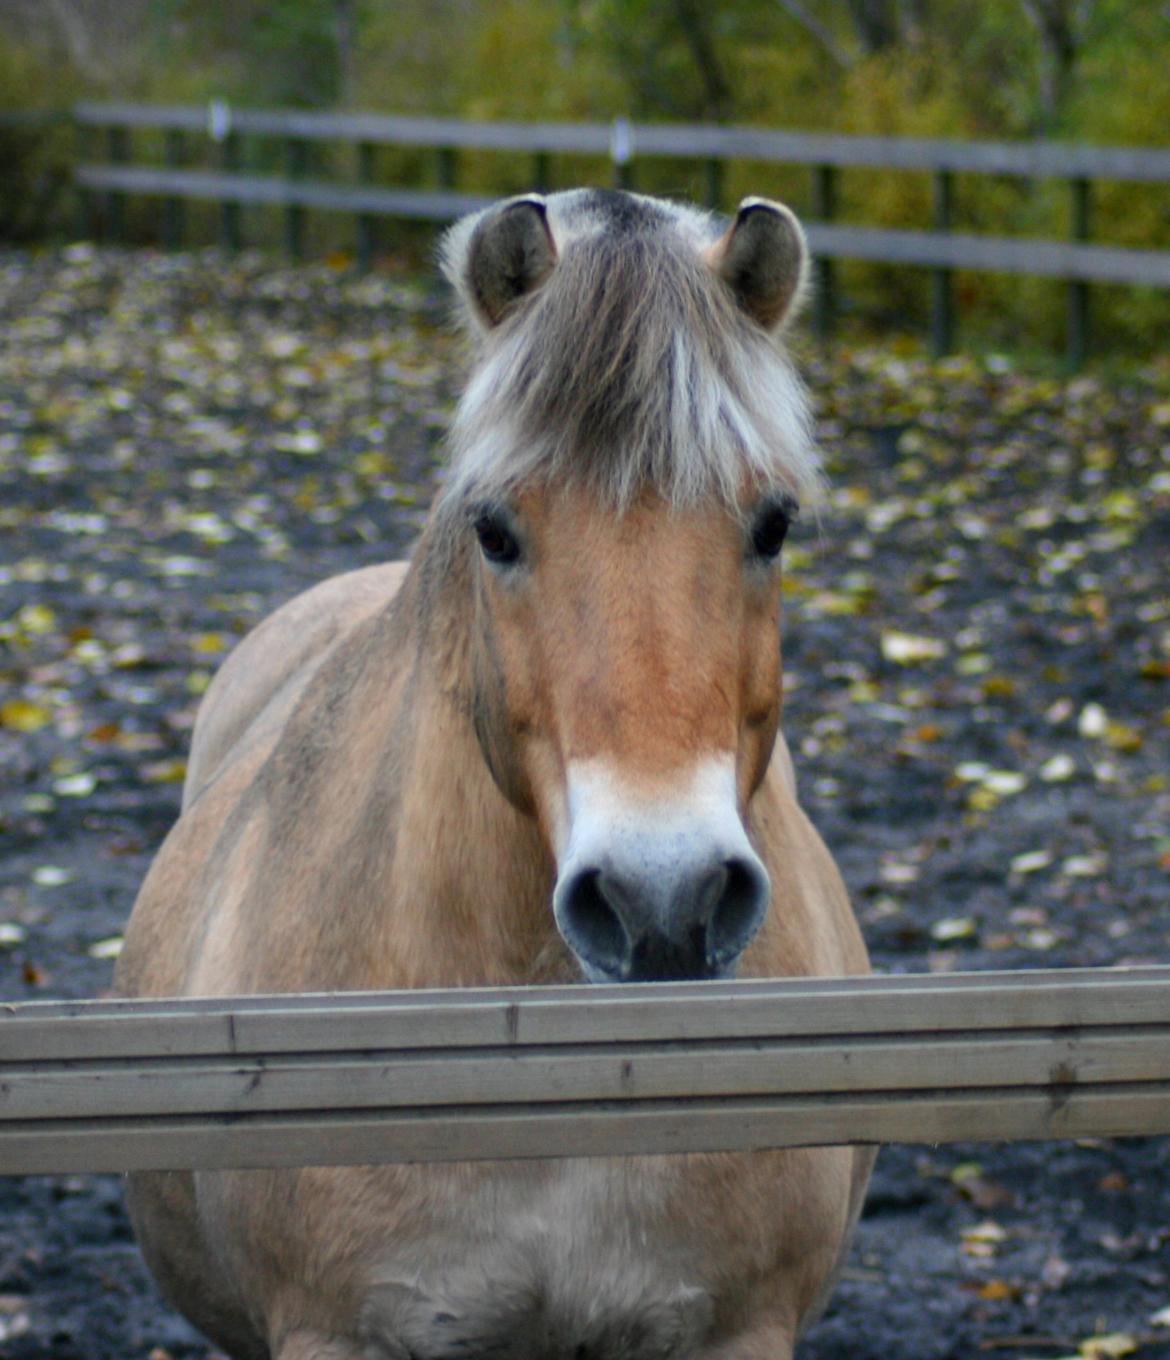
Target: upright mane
[(630, 366)]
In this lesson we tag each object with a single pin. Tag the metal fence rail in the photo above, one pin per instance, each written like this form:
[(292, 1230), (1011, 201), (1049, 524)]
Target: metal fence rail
[(582, 1071)]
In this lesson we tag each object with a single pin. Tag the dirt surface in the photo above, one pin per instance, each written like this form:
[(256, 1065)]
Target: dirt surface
[(978, 644)]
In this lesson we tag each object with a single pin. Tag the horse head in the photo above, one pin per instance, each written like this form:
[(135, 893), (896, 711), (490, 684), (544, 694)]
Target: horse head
[(628, 456)]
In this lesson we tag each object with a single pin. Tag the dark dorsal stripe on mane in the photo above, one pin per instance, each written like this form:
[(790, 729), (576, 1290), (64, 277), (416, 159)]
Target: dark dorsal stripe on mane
[(631, 366)]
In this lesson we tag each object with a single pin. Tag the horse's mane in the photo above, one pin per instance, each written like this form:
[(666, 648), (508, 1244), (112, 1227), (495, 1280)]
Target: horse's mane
[(630, 366)]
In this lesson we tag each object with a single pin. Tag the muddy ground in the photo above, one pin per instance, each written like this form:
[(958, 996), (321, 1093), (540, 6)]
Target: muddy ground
[(978, 642)]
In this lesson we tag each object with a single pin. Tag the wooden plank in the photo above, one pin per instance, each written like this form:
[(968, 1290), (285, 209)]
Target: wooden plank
[(453, 1134), (1051, 259), (227, 1027), (203, 184), (996, 254), (535, 1076), (1029, 159), (582, 1070)]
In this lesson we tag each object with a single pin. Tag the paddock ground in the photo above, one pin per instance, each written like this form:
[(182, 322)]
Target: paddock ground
[(978, 647)]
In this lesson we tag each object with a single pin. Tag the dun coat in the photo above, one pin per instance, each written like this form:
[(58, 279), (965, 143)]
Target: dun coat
[(546, 749)]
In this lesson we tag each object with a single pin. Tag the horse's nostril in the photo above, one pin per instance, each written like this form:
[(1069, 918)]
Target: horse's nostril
[(738, 910), (591, 925)]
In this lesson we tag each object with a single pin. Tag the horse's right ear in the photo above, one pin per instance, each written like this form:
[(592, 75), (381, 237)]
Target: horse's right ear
[(763, 259), (507, 254)]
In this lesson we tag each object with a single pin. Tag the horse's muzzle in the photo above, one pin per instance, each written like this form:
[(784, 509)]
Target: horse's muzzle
[(626, 930), (651, 890)]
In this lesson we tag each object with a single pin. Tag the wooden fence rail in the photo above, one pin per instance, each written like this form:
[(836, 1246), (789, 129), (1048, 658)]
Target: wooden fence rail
[(582, 1071), (941, 249)]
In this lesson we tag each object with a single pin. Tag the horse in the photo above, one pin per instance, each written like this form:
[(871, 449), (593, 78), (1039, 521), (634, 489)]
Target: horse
[(544, 750)]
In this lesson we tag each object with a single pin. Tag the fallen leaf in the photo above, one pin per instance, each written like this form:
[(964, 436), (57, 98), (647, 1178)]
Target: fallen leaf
[(1031, 862), (953, 928), (52, 876), (909, 649), (1093, 721), (164, 771), (998, 1289), (1085, 866), (1057, 769), (106, 949), (1110, 1347), (21, 715)]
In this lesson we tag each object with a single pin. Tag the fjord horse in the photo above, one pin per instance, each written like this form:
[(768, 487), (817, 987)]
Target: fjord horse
[(546, 750)]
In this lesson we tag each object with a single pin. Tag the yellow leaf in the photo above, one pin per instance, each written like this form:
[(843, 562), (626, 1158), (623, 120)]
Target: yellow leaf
[(209, 644), (999, 687), (165, 772), (1123, 738), (20, 715), (1110, 1347), (998, 1289), (36, 619)]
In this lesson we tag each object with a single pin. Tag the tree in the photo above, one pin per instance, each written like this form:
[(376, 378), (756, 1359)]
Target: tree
[(1061, 26)]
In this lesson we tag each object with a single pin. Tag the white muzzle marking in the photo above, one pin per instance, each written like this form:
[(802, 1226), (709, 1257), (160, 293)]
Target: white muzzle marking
[(655, 887)]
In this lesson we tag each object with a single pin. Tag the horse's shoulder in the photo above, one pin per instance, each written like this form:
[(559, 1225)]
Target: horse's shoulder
[(258, 686)]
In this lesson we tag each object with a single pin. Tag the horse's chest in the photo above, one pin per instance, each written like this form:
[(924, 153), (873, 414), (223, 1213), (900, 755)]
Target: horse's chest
[(582, 1267)]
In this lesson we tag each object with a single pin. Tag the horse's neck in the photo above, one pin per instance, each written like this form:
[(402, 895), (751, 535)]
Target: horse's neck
[(463, 895), (472, 878)]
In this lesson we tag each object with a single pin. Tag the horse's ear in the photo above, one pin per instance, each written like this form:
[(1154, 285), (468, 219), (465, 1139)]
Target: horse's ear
[(510, 253), (763, 259)]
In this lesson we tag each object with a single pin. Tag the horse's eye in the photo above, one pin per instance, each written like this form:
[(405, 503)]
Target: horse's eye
[(770, 529), (496, 540)]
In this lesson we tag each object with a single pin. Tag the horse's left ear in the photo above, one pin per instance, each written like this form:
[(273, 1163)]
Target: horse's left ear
[(763, 259)]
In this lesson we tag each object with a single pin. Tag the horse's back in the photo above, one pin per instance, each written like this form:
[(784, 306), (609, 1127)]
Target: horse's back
[(256, 689)]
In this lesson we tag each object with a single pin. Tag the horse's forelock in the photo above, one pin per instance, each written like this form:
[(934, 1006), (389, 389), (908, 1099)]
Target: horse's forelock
[(632, 366)]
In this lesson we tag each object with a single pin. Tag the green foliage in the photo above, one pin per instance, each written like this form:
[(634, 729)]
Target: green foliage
[(34, 145), (293, 53)]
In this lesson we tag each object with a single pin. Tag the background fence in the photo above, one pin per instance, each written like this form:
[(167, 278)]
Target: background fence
[(218, 131), (582, 1071), (202, 158)]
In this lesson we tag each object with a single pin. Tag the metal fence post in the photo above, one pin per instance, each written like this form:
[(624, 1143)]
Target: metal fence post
[(1078, 340), (367, 225), (174, 148), (713, 183), (824, 207), (942, 312), (542, 172), (296, 163), (83, 142), (118, 144), (219, 129), (448, 167)]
